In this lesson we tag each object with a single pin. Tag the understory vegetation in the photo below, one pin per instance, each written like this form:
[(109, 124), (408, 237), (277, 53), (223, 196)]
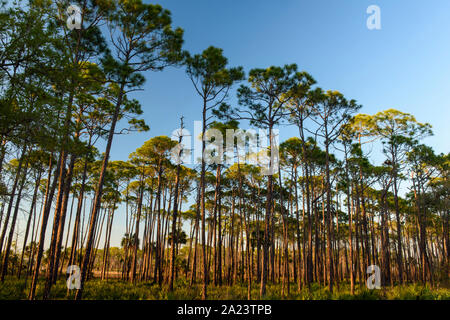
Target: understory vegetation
[(13, 289)]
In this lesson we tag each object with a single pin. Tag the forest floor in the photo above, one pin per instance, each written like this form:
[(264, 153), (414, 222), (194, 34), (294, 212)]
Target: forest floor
[(13, 289)]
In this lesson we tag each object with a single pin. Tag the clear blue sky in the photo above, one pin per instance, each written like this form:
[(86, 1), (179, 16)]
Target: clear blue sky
[(405, 65)]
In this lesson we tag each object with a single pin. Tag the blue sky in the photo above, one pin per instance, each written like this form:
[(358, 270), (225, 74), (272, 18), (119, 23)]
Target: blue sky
[(405, 65)]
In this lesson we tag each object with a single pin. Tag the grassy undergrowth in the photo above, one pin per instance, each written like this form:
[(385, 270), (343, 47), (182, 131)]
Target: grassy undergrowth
[(13, 289)]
